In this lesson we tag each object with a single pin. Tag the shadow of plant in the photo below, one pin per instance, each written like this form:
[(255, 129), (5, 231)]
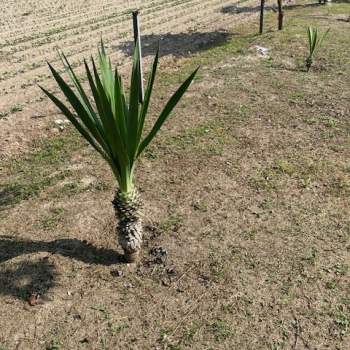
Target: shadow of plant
[(296, 6), (235, 9), (21, 279), (178, 45), (26, 278), (72, 248)]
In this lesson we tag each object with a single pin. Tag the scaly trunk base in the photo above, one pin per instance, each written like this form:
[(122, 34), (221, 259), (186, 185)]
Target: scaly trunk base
[(129, 229), (130, 234), (308, 64)]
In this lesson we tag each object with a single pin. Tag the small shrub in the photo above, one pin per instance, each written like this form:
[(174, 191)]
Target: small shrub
[(315, 40)]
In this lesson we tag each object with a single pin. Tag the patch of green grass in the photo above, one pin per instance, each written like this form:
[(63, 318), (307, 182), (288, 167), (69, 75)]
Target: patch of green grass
[(296, 96), (116, 329), (264, 179), (340, 185), (16, 108), (164, 333), (311, 121), (200, 205), (311, 257), (284, 167), (14, 193), (228, 308), (13, 109), (341, 269), (342, 320), (68, 189), (52, 219), (249, 234), (305, 171), (99, 185), (53, 151), (331, 285), (172, 223), (278, 345), (25, 177), (191, 331), (54, 344), (217, 265), (174, 347), (329, 122), (221, 330), (103, 310), (206, 138)]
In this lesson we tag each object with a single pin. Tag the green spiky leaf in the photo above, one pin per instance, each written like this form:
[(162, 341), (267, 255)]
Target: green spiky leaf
[(112, 122)]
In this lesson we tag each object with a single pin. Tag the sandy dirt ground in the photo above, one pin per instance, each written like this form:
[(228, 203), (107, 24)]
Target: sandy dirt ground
[(246, 189)]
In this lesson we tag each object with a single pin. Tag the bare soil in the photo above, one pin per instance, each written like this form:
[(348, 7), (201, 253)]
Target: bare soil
[(246, 208)]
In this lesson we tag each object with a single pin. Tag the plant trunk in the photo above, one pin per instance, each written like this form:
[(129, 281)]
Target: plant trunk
[(129, 229), (308, 63), (280, 15)]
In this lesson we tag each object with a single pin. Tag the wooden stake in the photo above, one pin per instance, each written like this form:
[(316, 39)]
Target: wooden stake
[(262, 7), (280, 15), (137, 40)]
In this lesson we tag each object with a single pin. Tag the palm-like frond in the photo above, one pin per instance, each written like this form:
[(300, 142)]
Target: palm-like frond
[(315, 40), (114, 125)]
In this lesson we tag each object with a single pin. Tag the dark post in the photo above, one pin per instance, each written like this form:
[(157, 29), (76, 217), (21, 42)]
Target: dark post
[(137, 40), (262, 6), (280, 15)]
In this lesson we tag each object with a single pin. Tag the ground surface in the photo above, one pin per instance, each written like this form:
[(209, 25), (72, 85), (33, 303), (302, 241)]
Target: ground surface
[(246, 206)]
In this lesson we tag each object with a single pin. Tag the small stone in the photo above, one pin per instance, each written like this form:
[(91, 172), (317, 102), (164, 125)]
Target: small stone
[(165, 283), (171, 271), (160, 255), (262, 51), (117, 273), (33, 299)]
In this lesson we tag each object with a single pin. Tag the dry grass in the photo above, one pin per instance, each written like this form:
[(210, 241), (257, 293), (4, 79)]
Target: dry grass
[(247, 232)]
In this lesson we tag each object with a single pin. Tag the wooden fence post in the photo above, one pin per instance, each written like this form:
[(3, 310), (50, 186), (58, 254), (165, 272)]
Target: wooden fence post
[(262, 6), (280, 15)]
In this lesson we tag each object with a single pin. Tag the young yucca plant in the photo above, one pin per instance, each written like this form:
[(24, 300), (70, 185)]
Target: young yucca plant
[(113, 124), (315, 40)]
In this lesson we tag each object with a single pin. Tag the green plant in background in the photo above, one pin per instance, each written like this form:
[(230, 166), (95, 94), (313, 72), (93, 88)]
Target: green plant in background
[(315, 40), (114, 127)]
